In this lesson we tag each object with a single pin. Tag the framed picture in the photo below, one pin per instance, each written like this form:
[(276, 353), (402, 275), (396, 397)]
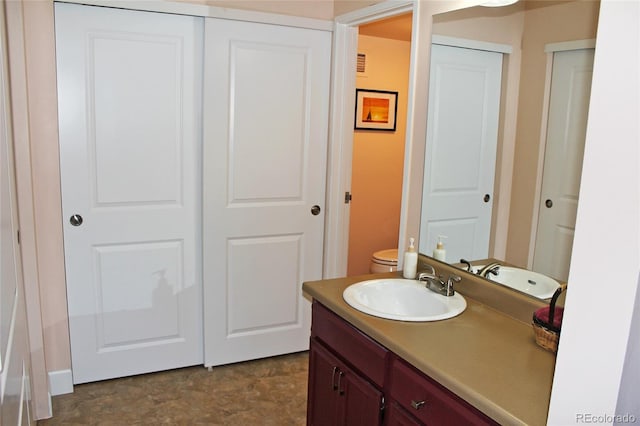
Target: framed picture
[(376, 110)]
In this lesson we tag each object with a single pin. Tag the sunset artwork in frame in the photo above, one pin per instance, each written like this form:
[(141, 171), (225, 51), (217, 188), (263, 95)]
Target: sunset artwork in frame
[(376, 110)]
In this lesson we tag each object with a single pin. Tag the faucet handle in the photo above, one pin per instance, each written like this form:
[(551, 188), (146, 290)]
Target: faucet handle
[(449, 286), (433, 270), (423, 276), (467, 264)]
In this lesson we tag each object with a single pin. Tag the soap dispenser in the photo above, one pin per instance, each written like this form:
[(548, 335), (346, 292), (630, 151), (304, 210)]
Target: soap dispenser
[(410, 265), (439, 252)]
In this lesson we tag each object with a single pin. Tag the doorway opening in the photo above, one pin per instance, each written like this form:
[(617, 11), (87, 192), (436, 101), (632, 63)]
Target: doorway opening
[(377, 165)]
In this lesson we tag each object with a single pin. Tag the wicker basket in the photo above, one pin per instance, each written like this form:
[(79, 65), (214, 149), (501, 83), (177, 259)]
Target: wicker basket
[(546, 333)]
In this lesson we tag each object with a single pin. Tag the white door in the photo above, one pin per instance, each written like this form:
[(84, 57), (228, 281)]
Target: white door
[(129, 114), (462, 134), (265, 148), (566, 132)]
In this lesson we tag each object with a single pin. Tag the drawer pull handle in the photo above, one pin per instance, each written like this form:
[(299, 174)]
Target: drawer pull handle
[(333, 378), (417, 405)]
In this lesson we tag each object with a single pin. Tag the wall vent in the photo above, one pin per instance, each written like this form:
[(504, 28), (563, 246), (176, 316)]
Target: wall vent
[(361, 64)]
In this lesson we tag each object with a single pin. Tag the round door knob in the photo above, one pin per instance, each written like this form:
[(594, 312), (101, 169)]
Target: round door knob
[(548, 203), (486, 198), (76, 220), (315, 210)]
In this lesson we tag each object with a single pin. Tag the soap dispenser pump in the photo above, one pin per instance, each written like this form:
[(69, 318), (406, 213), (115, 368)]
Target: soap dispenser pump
[(440, 252), (410, 266)]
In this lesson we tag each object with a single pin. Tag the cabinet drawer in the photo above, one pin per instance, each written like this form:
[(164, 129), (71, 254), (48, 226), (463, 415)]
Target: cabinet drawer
[(428, 401), (397, 416), (362, 353)]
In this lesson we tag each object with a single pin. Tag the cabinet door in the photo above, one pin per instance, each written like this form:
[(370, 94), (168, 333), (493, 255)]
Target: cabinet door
[(322, 399), (361, 402), (337, 394)]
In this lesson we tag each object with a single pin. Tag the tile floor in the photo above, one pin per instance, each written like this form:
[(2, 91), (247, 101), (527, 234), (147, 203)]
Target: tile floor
[(271, 391)]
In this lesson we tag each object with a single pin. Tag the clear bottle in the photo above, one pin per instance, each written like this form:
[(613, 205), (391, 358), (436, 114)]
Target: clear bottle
[(410, 265), (440, 253)]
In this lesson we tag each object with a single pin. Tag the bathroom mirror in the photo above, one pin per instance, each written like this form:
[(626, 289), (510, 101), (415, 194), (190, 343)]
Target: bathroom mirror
[(523, 178)]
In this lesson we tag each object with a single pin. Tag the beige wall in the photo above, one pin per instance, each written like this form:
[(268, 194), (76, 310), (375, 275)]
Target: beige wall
[(543, 24), (317, 9), (40, 50), (31, 263), (341, 7), (39, 202), (308, 8), (378, 157)]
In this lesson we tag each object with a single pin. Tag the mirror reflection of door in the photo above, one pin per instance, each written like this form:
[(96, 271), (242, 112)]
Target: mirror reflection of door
[(462, 134), (566, 131)]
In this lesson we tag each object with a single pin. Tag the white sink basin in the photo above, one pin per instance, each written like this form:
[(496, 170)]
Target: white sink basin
[(403, 300), (529, 282)]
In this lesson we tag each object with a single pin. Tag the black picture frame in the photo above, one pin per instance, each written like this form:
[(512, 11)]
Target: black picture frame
[(376, 110)]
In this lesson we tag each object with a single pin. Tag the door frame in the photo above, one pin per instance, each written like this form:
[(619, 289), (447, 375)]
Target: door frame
[(549, 49)]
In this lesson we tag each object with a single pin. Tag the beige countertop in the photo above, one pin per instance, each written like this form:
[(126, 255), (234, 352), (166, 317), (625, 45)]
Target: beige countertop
[(484, 356)]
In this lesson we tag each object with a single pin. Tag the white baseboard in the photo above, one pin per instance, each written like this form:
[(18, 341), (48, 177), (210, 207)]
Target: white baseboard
[(60, 382)]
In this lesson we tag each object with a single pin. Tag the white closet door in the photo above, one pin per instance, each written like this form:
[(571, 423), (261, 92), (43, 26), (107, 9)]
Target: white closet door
[(462, 135), (265, 141), (566, 133), (129, 113)]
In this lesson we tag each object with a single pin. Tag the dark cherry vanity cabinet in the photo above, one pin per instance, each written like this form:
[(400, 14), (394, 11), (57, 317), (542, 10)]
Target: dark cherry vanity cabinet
[(353, 380)]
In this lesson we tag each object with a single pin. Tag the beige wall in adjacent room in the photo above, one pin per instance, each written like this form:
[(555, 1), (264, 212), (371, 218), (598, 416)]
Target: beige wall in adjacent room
[(577, 20), (378, 157)]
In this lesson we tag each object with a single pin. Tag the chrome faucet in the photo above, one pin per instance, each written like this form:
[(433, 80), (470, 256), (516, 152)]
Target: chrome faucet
[(491, 268), (437, 284)]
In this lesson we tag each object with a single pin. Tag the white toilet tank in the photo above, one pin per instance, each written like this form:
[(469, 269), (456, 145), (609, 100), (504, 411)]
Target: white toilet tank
[(384, 261)]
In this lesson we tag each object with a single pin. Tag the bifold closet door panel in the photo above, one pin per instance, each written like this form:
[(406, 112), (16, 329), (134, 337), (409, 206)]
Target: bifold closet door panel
[(266, 97), (129, 87)]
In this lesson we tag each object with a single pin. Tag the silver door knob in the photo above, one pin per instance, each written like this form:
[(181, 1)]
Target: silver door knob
[(315, 210), (76, 220)]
